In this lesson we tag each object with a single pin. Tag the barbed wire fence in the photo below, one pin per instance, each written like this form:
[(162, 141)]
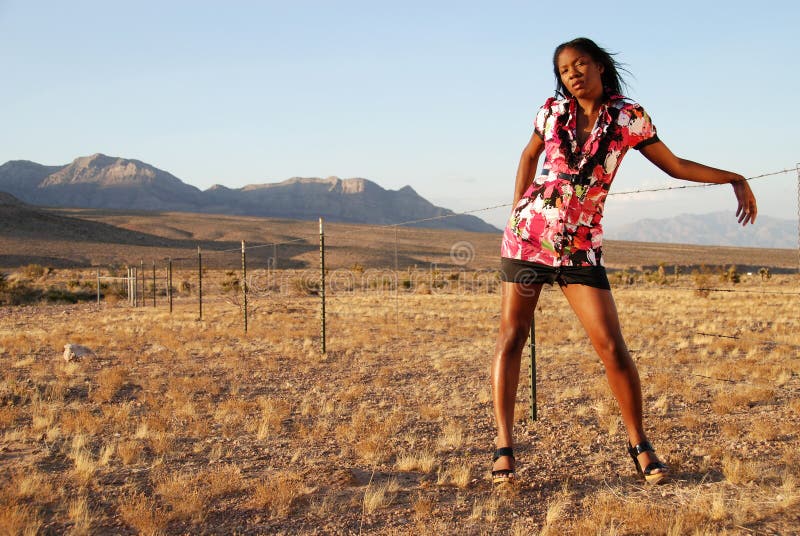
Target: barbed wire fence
[(253, 268)]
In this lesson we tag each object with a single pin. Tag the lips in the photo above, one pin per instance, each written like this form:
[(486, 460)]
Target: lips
[(577, 85)]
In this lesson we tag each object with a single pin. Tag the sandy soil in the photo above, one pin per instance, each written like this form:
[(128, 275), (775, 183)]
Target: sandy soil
[(182, 426)]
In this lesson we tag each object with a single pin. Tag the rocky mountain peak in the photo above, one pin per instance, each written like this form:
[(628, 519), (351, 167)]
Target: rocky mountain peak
[(102, 181), (108, 171)]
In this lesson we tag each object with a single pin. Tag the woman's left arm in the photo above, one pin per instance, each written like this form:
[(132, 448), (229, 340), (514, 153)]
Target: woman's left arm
[(680, 168)]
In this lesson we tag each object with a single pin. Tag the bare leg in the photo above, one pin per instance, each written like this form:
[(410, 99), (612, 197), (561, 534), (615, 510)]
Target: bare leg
[(518, 304), (596, 310)]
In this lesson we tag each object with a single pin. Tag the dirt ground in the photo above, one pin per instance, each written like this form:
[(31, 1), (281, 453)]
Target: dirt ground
[(183, 426)]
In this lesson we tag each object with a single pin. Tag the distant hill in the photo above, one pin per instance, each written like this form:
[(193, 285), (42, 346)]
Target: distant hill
[(102, 237), (31, 234), (716, 229), (105, 182), (26, 222)]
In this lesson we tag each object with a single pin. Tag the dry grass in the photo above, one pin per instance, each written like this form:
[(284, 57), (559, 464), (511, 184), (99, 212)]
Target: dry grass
[(19, 519), (141, 513), (423, 461), (278, 493), (81, 516), (183, 426), (379, 496)]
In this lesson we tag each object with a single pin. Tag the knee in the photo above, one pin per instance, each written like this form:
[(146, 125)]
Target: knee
[(511, 340), (614, 354)]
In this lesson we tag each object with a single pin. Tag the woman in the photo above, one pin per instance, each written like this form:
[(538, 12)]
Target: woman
[(554, 232)]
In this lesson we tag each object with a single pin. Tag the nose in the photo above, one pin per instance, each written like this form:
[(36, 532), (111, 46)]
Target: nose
[(570, 73)]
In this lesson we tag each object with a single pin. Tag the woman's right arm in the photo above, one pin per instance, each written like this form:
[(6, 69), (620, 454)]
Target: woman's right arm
[(527, 166)]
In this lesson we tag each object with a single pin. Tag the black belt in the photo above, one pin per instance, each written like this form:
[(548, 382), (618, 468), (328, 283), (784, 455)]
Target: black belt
[(573, 178)]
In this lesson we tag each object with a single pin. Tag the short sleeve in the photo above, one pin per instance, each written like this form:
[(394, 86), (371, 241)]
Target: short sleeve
[(640, 128), (540, 123)]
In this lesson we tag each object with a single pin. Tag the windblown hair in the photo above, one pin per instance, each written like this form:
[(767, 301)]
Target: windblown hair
[(613, 82)]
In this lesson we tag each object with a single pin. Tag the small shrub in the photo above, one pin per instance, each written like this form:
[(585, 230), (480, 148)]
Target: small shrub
[(59, 295), (302, 285), (701, 283), (623, 277), (231, 282), (19, 294), (731, 275), (659, 277), (35, 271)]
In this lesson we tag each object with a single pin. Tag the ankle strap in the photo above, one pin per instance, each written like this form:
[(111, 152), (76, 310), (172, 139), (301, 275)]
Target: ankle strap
[(504, 451), (644, 446)]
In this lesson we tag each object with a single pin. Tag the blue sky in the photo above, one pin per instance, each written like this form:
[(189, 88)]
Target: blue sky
[(437, 95)]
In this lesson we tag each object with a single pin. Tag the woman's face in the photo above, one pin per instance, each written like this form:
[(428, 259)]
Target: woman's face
[(580, 74)]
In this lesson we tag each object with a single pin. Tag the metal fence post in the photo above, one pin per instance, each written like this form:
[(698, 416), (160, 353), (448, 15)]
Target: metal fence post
[(142, 277), (322, 284), (200, 283), (534, 413), (169, 283), (154, 283), (98, 286), (244, 286)]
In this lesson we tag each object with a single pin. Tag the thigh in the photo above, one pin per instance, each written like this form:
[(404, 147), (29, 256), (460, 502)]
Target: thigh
[(597, 312), (518, 303)]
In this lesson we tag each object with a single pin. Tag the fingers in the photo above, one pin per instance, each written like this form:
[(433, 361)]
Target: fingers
[(746, 212), (748, 215), (747, 209)]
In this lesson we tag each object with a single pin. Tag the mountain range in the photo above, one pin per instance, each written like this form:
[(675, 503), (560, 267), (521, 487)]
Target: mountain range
[(108, 182), (713, 229)]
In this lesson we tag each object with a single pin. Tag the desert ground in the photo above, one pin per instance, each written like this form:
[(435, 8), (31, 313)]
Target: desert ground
[(182, 423), (125, 237), (176, 425)]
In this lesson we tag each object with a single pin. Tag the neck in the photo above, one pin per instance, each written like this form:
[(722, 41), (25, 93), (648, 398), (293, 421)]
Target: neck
[(590, 106)]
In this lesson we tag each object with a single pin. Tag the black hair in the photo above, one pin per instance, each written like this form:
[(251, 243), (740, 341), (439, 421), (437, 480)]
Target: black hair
[(613, 82)]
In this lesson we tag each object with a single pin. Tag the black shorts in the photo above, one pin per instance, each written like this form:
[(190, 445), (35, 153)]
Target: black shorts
[(518, 271)]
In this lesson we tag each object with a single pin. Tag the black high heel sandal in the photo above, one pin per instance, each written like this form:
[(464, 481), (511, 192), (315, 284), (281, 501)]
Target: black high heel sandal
[(503, 476), (648, 473)]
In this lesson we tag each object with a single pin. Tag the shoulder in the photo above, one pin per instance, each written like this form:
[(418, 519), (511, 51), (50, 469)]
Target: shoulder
[(555, 105), (552, 108), (628, 112), (625, 104)]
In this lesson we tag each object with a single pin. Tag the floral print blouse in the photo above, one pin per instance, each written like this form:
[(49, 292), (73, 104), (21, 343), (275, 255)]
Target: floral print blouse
[(557, 220)]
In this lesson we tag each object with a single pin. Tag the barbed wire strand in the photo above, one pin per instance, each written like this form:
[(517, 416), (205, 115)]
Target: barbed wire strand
[(474, 211), (701, 185), (710, 289), (748, 339)]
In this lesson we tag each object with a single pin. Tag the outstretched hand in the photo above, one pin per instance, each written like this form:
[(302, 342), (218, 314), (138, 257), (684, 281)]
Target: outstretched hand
[(747, 209)]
